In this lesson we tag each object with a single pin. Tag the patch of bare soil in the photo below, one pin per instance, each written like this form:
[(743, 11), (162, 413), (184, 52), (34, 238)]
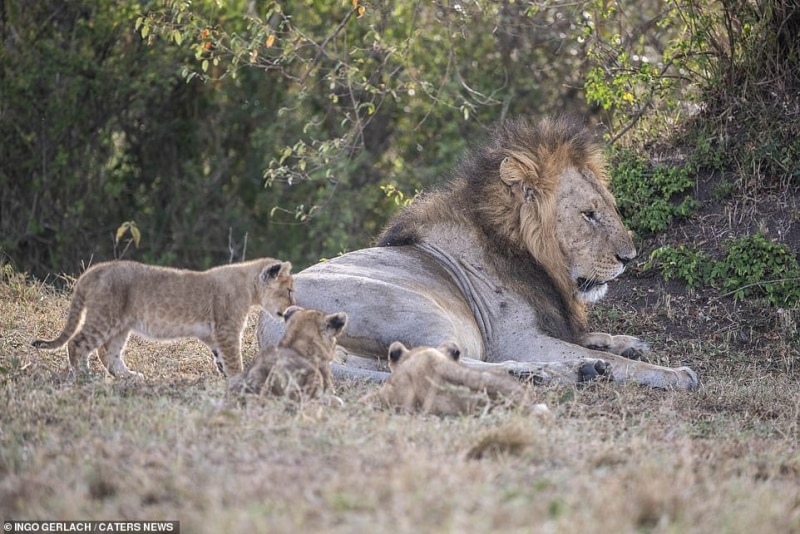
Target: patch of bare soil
[(702, 327)]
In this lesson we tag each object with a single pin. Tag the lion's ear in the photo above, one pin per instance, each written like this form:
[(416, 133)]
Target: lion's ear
[(336, 322), (511, 171), (280, 268), (396, 351), (291, 310), (451, 350)]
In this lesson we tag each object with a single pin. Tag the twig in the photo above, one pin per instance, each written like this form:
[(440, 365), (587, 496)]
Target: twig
[(756, 284), (231, 247)]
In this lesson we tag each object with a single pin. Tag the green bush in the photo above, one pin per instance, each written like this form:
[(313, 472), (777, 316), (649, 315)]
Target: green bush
[(751, 267), (754, 266), (649, 198), (681, 263)]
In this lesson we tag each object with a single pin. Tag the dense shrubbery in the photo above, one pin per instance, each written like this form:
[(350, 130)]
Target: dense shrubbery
[(176, 116), (274, 126), (649, 197), (750, 267)]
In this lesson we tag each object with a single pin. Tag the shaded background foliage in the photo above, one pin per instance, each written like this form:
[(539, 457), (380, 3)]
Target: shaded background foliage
[(263, 128)]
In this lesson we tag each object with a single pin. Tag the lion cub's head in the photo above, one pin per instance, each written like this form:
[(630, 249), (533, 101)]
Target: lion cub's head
[(399, 354), (312, 332), (275, 287), (299, 367), (432, 380)]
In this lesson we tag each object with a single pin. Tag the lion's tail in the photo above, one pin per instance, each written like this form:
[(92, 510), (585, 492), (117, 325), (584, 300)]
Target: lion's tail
[(73, 320)]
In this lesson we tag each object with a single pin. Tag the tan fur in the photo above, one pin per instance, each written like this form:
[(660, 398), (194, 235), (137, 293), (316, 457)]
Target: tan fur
[(299, 367), (539, 186), (431, 380), (120, 297), (502, 259)]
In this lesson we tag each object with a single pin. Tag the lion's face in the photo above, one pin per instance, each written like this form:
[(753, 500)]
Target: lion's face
[(276, 287), (590, 233)]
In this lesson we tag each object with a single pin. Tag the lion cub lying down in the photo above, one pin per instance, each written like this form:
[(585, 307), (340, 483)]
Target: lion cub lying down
[(431, 380), (300, 366), (119, 297)]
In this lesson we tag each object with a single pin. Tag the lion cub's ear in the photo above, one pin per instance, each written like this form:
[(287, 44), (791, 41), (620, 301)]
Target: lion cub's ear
[(451, 350), (276, 270), (396, 352), (336, 322), (291, 310)]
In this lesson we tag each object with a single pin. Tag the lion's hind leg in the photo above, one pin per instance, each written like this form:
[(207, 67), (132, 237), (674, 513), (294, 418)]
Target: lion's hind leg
[(97, 329), (111, 355), (78, 350)]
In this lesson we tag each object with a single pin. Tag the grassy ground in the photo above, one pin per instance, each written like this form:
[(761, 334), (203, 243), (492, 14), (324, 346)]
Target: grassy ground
[(606, 459)]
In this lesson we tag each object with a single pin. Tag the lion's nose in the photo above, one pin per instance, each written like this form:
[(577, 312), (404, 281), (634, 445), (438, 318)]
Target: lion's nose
[(625, 259)]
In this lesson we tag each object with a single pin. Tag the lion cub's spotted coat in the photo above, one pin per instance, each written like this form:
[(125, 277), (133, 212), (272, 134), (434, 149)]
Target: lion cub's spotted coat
[(299, 367), (431, 380), (120, 297)]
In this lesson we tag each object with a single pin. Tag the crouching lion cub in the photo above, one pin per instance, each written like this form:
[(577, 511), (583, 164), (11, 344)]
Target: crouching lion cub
[(300, 366), (119, 297), (431, 380)]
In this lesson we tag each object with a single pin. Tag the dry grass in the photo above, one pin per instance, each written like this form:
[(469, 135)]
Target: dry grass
[(606, 459)]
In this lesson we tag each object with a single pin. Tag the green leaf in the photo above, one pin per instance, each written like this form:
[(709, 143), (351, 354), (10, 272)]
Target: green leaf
[(121, 231), (137, 235)]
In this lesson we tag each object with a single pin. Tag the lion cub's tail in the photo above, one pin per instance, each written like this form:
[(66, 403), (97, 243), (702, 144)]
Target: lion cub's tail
[(73, 319)]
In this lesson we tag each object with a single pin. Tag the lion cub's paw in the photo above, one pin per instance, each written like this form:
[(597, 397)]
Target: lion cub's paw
[(130, 375)]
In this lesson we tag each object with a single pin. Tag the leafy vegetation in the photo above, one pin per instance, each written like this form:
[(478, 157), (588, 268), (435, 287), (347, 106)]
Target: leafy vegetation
[(232, 128), (650, 197), (751, 266)]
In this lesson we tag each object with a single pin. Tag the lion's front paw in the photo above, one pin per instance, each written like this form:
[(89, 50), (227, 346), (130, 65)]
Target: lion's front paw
[(592, 369), (636, 352), (627, 346), (687, 379)]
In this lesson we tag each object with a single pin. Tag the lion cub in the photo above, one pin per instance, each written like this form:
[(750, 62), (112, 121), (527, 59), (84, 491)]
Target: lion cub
[(119, 297), (300, 366), (431, 380)]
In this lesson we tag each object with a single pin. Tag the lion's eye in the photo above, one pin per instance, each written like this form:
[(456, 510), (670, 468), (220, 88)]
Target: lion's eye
[(590, 215)]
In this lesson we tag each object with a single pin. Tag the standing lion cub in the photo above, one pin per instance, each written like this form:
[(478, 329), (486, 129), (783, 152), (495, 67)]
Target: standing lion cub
[(120, 297), (300, 366)]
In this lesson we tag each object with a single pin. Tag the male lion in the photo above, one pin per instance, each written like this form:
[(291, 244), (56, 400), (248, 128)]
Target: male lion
[(300, 366), (430, 380), (503, 259), (118, 297)]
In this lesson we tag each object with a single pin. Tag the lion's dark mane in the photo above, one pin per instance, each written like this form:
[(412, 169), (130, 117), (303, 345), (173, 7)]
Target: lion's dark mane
[(467, 200)]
